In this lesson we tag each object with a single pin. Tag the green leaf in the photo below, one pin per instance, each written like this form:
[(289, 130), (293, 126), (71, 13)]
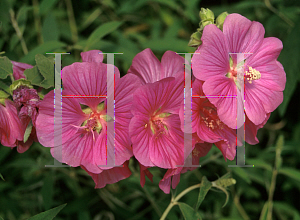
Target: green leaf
[(162, 45), (34, 76), (50, 31), (47, 191), (48, 46), (188, 212), (2, 177), (27, 131), (46, 5), (22, 17), (264, 212), (6, 67), (3, 95), (289, 60), (46, 68), (205, 187), (242, 173), (260, 163), (101, 31), (4, 87), (48, 215), (290, 172)]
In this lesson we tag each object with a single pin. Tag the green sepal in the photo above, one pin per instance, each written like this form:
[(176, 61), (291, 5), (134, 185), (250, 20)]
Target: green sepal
[(20, 82)]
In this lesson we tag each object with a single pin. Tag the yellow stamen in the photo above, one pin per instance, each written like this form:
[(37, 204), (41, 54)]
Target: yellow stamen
[(253, 74)]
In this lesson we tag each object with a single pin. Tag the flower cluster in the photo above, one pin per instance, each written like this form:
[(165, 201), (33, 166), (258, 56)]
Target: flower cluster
[(149, 116)]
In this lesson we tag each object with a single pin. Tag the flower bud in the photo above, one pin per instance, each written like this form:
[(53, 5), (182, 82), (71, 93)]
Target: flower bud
[(220, 20), (206, 14), (195, 40)]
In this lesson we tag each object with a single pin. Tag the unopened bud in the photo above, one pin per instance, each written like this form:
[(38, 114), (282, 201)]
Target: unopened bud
[(206, 14), (220, 20), (195, 40)]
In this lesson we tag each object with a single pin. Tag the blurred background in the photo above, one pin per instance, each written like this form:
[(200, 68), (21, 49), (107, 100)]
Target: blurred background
[(39, 26)]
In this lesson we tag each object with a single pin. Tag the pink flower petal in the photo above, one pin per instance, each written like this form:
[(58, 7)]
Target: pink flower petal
[(172, 64), (72, 116), (211, 58), (167, 151), (146, 66), (140, 137), (144, 172), (92, 56), (226, 106), (110, 176), (243, 36), (87, 79)]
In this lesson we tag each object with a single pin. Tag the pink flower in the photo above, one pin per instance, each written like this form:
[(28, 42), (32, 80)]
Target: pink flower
[(148, 68), (207, 124), (155, 128), (157, 139), (110, 176), (84, 132), (173, 175), (264, 75), (18, 69)]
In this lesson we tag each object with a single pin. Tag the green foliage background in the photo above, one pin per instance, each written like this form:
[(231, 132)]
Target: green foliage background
[(35, 27)]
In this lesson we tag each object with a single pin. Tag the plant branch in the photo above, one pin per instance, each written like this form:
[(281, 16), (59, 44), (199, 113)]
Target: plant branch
[(278, 13), (175, 200), (72, 21), (37, 21), (18, 32)]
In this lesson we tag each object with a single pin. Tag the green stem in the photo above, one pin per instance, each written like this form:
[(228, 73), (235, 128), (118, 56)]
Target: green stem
[(278, 13), (37, 21), (18, 32), (72, 21), (174, 201), (12, 78), (271, 193)]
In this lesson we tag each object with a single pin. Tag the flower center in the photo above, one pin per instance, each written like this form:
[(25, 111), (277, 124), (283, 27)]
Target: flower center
[(210, 117), (157, 124), (97, 118)]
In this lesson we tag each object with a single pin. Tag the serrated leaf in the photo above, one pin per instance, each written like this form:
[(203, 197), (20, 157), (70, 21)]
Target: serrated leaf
[(27, 131), (101, 31), (290, 172), (6, 67), (48, 215), (34, 76), (188, 212), (46, 68), (205, 187)]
